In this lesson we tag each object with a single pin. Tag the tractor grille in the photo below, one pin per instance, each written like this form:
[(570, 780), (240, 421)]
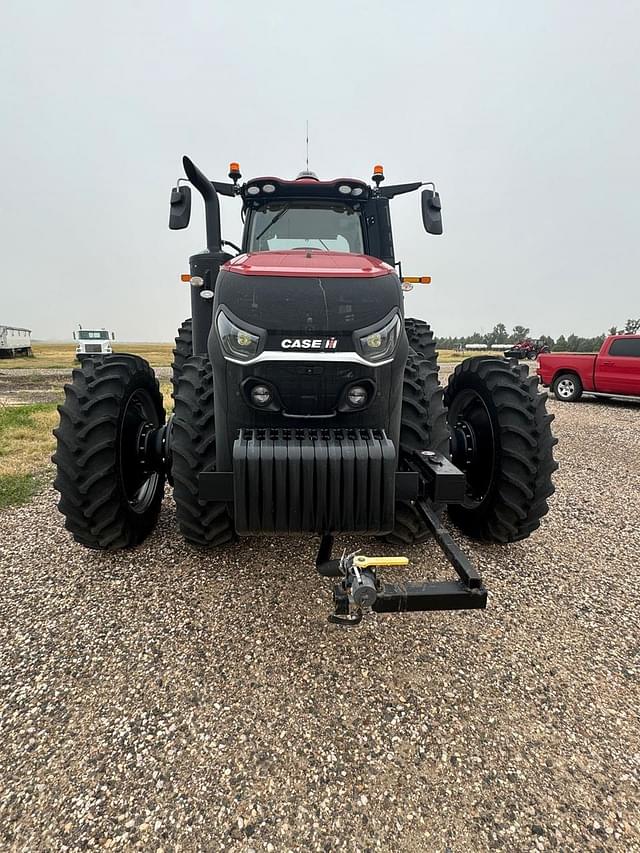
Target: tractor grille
[(313, 481), (93, 348)]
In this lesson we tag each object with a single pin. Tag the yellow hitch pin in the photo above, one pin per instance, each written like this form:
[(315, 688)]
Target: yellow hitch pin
[(363, 562)]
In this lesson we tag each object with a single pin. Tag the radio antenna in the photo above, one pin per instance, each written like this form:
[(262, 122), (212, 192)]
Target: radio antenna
[(307, 145)]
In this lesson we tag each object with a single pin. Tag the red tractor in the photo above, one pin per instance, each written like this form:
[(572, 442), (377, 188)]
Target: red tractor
[(528, 348), (306, 403)]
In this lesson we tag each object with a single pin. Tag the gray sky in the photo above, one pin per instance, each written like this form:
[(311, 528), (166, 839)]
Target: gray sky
[(527, 116)]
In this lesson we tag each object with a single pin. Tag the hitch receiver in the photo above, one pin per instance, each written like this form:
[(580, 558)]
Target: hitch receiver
[(360, 588)]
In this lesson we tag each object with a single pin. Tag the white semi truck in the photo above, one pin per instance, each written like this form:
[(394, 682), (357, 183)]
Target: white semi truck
[(14, 341), (93, 342)]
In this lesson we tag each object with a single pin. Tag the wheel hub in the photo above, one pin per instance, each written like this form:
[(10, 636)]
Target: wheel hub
[(565, 388), (140, 434), (464, 444), (473, 444), (154, 447)]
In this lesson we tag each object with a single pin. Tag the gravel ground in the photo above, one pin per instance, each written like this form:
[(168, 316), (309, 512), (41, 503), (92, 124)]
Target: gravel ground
[(161, 699)]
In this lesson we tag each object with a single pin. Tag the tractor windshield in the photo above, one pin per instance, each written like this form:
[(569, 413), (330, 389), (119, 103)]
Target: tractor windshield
[(284, 225)]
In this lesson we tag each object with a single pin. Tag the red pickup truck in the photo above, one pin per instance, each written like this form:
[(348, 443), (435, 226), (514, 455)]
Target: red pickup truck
[(614, 371)]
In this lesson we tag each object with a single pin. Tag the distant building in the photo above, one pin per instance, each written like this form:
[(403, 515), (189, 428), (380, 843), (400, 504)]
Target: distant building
[(15, 341)]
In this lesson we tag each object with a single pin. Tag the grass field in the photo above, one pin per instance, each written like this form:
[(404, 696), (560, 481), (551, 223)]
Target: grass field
[(26, 443), (63, 355), (452, 356)]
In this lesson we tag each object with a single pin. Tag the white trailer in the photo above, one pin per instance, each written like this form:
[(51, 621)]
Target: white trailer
[(15, 341), (93, 342)]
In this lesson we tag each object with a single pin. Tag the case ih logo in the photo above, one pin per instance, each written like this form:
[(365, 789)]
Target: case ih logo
[(309, 343)]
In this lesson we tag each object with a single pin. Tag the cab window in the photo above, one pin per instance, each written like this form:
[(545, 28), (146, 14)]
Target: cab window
[(630, 347), (283, 226)]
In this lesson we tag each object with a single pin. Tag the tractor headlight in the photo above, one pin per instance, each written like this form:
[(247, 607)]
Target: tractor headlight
[(379, 344), (237, 342)]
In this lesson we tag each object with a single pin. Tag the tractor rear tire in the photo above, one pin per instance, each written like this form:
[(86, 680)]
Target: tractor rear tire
[(421, 338), (204, 524), (108, 499), (423, 427), (183, 350), (502, 439)]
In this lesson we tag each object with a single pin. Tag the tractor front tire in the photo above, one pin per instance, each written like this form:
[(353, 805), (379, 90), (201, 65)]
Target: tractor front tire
[(108, 498), (423, 427), (421, 338), (182, 351), (503, 442), (204, 524)]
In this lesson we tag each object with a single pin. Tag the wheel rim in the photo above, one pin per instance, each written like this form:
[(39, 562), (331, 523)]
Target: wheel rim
[(139, 482), (565, 388), (473, 444)]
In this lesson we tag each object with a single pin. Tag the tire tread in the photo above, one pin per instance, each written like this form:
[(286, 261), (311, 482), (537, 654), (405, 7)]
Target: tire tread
[(204, 524), (518, 498), (95, 509)]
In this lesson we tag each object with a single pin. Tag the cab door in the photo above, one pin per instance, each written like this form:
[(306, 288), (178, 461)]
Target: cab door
[(618, 370)]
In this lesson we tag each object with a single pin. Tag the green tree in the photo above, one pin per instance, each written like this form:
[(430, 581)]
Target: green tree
[(498, 334), (518, 334), (561, 344), (632, 327)]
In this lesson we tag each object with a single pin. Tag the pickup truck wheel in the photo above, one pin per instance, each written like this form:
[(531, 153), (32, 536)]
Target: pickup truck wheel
[(567, 387), (502, 440)]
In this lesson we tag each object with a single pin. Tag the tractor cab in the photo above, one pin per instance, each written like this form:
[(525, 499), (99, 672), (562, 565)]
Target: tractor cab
[(306, 214), (340, 215)]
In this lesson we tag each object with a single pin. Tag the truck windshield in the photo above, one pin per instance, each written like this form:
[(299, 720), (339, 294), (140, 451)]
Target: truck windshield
[(279, 226), (93, 335)]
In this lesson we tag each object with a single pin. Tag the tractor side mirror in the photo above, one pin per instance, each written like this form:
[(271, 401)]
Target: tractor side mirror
[(431, 212), (113, 336), (180, 208), (74, 336)]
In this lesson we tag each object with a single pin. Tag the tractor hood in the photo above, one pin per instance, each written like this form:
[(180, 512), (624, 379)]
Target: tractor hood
[(300, 292), (308, 262)]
